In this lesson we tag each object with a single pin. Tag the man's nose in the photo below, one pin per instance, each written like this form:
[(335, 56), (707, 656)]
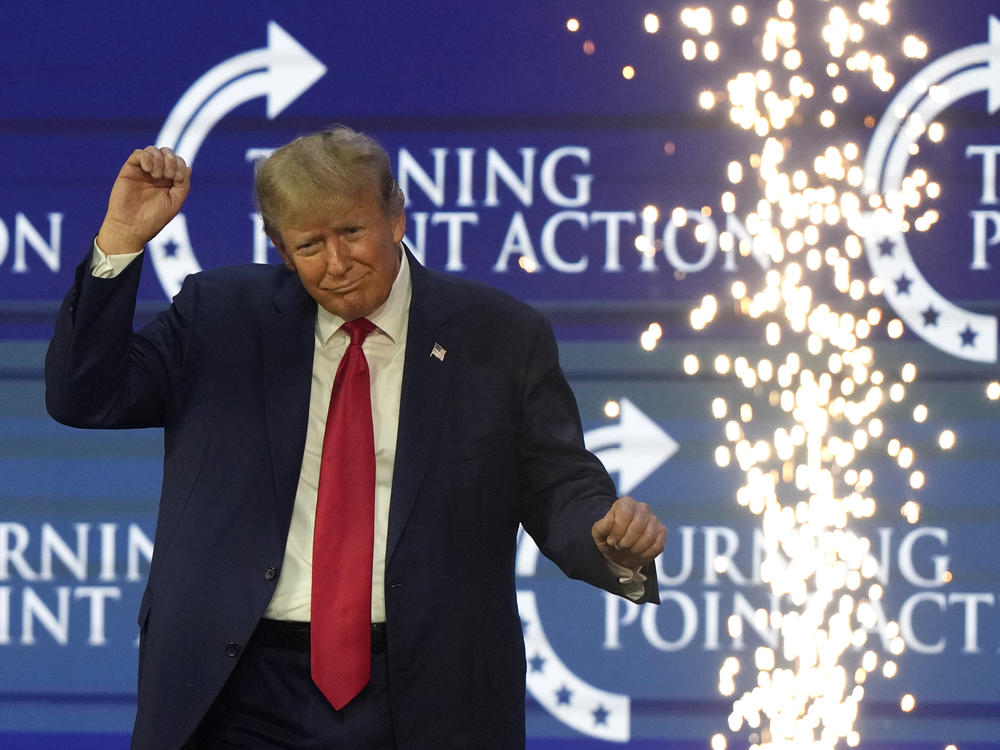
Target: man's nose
[(338, 260)]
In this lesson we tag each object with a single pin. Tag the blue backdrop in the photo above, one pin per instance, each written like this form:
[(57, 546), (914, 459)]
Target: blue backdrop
[(528, 160)]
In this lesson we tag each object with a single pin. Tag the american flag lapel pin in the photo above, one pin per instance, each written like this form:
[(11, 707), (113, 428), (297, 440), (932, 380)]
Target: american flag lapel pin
[(438, 351)]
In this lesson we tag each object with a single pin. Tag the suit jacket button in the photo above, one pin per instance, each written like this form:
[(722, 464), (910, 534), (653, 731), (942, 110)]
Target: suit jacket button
[(271, 573), (232, 649)]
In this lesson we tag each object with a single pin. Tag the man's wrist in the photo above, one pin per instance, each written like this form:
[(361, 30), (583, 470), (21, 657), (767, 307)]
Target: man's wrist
[(111, 242)]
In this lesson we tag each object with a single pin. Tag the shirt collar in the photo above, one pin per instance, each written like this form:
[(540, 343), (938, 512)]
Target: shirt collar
[(390, 317)]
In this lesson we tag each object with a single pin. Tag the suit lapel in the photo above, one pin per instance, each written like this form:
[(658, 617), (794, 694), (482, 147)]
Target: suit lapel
[(287, 332), (424, 393)]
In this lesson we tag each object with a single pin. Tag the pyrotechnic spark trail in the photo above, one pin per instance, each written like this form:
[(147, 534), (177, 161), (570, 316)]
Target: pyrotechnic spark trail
[(808, 210), (805, 480)]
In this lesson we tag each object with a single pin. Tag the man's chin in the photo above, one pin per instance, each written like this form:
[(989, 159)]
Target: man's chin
[(348, 308)]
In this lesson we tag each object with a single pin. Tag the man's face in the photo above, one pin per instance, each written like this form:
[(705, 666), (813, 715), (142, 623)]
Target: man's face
[(346, 255)]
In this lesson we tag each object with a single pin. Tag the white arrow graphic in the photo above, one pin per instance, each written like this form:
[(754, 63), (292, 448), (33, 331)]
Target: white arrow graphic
[(282, 71), (635, 447), (958, 74)]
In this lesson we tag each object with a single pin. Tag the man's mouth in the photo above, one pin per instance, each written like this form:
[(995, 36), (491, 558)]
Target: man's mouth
[(346, 287)]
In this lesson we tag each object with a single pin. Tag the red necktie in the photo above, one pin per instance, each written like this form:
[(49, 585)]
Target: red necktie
[(343, 532)]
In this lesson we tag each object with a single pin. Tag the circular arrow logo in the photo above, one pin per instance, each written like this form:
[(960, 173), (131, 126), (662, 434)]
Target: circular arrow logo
[(576, 703), (958, 74), (633, 448), (281, 72)]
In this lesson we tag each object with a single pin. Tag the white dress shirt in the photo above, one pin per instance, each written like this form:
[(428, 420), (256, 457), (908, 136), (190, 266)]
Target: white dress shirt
[(384, 349)]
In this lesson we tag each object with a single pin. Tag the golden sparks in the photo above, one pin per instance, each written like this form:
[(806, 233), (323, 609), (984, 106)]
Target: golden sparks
[(806, 480)]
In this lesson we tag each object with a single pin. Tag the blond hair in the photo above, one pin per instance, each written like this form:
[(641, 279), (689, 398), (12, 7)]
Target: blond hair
[(320, 169)]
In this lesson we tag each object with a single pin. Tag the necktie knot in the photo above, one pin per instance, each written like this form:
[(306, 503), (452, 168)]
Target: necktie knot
[(358, 330)]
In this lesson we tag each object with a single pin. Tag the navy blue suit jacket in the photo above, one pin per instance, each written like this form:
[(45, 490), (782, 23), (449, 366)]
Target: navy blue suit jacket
[(489, 437)]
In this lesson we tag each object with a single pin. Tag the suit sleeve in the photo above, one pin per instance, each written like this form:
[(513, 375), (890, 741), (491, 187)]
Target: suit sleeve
[(98, 373), (565, 488)]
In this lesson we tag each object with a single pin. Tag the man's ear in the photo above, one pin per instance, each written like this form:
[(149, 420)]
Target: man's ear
[(282, 252), (399, 226)]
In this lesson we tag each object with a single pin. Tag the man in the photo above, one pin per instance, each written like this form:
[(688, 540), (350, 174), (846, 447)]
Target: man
[(273, 510)]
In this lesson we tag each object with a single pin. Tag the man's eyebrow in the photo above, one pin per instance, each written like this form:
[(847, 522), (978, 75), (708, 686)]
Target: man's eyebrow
[(307, 239)]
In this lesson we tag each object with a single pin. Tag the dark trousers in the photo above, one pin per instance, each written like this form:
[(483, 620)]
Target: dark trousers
[(271, 703)]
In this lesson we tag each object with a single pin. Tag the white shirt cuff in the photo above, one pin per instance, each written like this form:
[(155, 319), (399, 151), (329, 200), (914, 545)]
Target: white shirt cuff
[(632, 581), (108, 266)]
